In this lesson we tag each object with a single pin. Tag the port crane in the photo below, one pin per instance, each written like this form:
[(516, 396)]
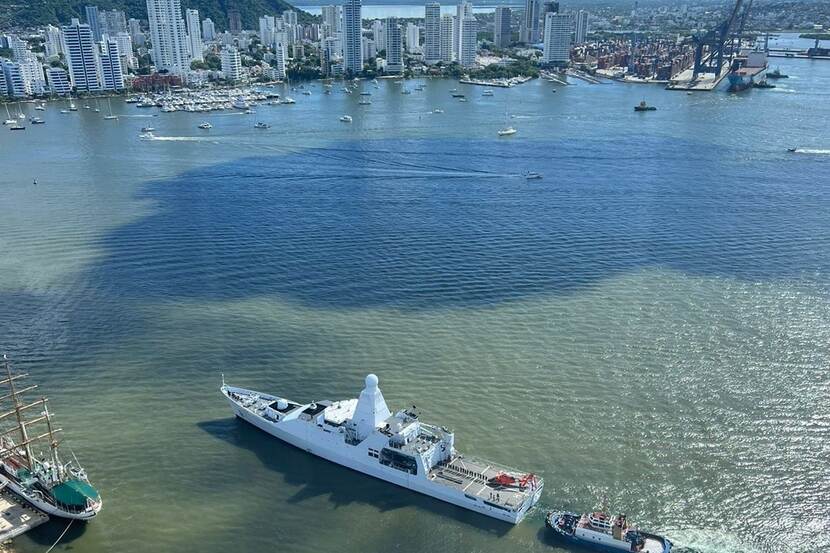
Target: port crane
[(719, 42)]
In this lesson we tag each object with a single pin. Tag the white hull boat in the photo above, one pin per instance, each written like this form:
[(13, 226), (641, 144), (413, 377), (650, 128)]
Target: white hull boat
[(363, 435)]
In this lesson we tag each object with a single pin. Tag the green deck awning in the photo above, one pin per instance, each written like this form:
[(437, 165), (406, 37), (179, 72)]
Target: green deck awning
[(74, 492)]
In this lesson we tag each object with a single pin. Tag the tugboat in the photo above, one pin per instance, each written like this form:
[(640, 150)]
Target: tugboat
[(603, 532), (363, 435), (643, 106), (777, 74), (39, 475)]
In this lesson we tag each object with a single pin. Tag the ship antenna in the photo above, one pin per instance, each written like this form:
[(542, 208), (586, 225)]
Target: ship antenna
[(223, 380)]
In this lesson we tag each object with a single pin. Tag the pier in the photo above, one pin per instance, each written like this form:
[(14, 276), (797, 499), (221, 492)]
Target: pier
[(17, 517), (685, 80)]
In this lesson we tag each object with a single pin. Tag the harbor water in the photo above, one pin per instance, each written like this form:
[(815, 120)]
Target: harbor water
[(647, 323)]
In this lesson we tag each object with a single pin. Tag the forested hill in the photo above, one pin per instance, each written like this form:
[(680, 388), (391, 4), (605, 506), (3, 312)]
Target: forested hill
[(29, 13)]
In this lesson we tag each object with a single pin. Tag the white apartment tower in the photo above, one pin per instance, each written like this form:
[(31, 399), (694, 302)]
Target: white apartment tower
[(81, 56), (231, 64), (280, 56), (112, 78), (432, 33), (169, 36), (469, 41), (352, 33), (413, 38), (194, 34), (447, 34), (558, 30)]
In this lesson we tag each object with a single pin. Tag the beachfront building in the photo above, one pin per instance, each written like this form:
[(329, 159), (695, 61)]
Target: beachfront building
[(231, 64), (394, 57), (469, 41), (81, 56), (168, 36), (447, 34), (352, 33), (432, 33), (194, 35), (558, 32)]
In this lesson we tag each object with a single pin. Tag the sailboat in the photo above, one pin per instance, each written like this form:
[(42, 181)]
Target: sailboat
[(30, 466), (20, 114), (9, 120), (72, 106), (507, 130), (110, 116)]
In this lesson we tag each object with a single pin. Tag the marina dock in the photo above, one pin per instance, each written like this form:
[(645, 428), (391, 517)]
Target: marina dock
[(17, 517), (704, 82)]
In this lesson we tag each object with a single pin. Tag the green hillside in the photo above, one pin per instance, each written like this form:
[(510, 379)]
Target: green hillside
[(29, 13)]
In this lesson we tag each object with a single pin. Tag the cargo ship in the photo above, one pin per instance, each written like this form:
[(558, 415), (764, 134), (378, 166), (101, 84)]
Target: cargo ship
[(748, 69), (362, 434)]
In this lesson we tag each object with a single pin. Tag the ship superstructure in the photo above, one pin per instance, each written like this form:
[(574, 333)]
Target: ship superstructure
[(30, 463), (362, 434), (748, 69), (602, 531)]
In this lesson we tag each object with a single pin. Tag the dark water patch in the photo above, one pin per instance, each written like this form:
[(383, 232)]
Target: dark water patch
[(357, 225)]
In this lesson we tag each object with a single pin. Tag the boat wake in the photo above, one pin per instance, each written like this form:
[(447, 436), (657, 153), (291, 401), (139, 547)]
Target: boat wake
[(812, 151), (695, 540), (185, 138)]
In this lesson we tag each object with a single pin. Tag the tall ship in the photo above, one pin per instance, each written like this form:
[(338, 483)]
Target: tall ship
[(362, 434), (748, 69), (603, 532), (30, 463)]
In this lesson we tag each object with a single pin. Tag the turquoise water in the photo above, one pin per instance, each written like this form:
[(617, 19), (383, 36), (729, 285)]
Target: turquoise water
[(646, 323)]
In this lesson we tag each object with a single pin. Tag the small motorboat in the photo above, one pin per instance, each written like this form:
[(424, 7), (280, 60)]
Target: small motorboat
[(457, 95), (365, 102), (792, 150), (346, 119), (110, 117), (261, 125), (40, 108), (487, 93), (288, 100), (10, 122), (17, 127), (509, 131), (64, 111), (205, 125), (306, 92), (438, 110), (36, 121), (643, 106), (532, 175), (146, 136), (147, 129), (777, 74)]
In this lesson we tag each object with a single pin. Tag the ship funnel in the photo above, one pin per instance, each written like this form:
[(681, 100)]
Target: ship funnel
[(371, 411)]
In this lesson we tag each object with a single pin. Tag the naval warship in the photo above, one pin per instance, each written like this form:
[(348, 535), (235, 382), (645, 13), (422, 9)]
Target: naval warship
[(362, 434)]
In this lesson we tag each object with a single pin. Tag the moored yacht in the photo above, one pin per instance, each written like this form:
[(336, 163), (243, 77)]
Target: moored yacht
[(363, 434)]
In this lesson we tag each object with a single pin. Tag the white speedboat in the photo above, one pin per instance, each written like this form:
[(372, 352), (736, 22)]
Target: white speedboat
[(508, 131), (438, 110), (288, 100), (146, 135), (487, 93), (363, 434), (261, 125), (147, 129), (205, 125), (346, 119)]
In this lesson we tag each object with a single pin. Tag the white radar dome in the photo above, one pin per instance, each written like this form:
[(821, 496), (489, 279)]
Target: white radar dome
[(282, 404), (371, 381)]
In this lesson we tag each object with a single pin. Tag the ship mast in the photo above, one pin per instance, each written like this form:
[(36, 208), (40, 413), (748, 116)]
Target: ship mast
[(17, 409), (53, 443)]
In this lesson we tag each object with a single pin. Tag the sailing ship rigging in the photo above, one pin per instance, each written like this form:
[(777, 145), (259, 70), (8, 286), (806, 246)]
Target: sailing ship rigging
[(30, 462)]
